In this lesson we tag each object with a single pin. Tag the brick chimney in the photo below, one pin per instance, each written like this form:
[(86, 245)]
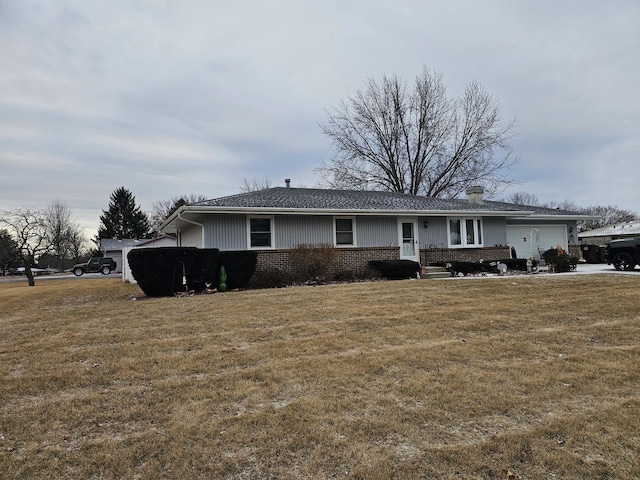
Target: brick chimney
[(475, 195), (287, 182)]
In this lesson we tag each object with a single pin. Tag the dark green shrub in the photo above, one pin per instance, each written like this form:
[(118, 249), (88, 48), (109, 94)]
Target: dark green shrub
[(240, 266), (559, 261), (159, 271), (395, 269), (312, 261), (272, 278), (519, 264)]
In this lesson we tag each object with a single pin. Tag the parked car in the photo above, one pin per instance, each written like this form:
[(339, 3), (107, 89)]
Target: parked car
[(104, 265), (624, 254)]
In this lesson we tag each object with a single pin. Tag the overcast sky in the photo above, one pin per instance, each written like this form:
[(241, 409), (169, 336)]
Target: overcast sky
[(181, 97)]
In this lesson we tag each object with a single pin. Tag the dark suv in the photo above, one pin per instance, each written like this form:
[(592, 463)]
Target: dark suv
[(624, 254), (104, 265)]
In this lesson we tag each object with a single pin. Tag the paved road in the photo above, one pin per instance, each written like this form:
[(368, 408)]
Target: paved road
[(582, 269), (64, 276)]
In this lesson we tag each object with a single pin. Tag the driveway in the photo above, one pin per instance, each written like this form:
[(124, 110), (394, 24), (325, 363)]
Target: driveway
[(590, 268)]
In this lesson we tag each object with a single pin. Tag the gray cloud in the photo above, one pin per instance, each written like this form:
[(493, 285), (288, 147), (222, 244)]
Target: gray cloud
[(168, 98)]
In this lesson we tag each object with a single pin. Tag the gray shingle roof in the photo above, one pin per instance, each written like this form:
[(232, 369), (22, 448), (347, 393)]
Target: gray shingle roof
[(361, 200), (118, 243)]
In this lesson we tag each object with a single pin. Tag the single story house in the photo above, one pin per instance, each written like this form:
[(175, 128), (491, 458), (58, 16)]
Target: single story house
[(113, 247), (600, 236), (372, 225)]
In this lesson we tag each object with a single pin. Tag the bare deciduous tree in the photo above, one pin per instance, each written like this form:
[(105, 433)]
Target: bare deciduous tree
[(523, 198), (254, 185), (162, 209), (608, 215), (418, 141), (28, 228), (66, 236)]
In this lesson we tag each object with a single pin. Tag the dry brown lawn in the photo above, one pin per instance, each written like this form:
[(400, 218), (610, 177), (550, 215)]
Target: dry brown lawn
[(519, 377)]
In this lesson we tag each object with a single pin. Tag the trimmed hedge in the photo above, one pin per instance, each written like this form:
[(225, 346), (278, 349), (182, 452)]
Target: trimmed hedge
[(395, 269), (159, 271), (240, 266)]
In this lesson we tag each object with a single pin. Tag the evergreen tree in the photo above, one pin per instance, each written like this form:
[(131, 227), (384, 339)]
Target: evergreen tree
[(124, 219), (9, 257)]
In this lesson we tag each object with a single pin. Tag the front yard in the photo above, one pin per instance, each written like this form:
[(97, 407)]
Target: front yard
[(527, 377)]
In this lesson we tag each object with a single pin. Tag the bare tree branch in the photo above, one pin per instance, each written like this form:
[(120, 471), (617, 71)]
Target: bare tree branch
[(254, 185), (67, 239), (162, 209), (28, 228), (418, 140)]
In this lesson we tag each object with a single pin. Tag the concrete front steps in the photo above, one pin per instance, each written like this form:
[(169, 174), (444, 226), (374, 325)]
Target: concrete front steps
[(435, 272)]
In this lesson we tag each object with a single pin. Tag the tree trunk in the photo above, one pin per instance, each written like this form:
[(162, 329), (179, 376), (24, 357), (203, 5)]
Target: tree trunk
[(28, 272)]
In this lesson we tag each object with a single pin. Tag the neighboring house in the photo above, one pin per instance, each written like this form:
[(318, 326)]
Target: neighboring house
[(368, 225), (600, 236), (113, 247)]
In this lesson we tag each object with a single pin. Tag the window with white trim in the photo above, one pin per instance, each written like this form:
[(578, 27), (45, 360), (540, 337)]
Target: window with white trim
[(345, 234), (260, 232), (465, 232)]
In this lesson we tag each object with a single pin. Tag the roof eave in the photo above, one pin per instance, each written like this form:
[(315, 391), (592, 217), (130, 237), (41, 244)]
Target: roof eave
[(335, 211), (542, 216)]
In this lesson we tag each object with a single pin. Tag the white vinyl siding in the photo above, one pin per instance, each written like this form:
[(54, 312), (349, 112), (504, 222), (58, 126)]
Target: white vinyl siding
[(191, 236), (293, 230)]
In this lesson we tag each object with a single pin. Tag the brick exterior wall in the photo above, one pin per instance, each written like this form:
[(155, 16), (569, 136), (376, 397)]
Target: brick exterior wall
[(355, 260), (490, 254)]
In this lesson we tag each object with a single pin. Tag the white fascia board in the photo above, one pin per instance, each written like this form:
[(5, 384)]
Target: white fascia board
[(333, 211), (557, 217)]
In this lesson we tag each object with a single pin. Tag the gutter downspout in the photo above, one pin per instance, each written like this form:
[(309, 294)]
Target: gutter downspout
[(180, 217)]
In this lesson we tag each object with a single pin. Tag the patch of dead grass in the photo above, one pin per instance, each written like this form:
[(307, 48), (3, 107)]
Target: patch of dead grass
[(533, 377)]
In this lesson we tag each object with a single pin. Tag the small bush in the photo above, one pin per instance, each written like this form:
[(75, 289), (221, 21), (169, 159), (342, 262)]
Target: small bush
[(240, 266), (560, 261), (272, 278), (395, 269), (312, 261)]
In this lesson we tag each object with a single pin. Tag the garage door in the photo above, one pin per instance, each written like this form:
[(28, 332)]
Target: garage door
[(532, 240)]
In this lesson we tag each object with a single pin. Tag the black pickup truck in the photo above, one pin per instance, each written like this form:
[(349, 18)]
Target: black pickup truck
[(103, 265), (623, 254)]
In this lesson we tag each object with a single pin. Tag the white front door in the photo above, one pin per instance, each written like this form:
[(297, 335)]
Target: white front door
[(408, 237)]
